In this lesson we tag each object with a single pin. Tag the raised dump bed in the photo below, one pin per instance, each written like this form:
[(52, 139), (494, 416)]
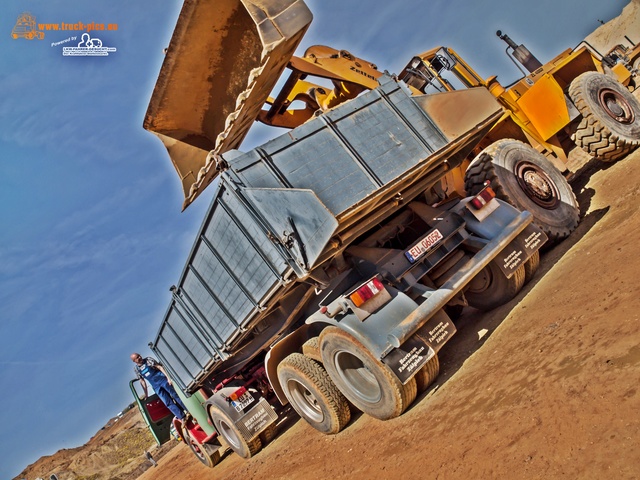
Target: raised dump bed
[(286, 207), (365, 158)]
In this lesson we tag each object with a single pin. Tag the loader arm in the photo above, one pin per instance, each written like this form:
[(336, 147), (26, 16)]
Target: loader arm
[(349, 76)]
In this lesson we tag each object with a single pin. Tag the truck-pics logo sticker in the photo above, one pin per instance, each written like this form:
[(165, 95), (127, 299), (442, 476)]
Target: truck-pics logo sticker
[(25, 27)]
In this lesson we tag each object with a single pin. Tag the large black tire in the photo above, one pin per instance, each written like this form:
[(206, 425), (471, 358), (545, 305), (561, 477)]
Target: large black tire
[(523, 177), (531, 266), (490, 288), (269, 433), (427, 374), (312, 394), (311, 349), (209, 455), (230, 433), (366, 382), (610, 125)]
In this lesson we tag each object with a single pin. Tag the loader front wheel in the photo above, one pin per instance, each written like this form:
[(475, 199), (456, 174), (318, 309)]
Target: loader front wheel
[(363, 379), (491, 288), (230, 433), (523, 177), (312, 394), (610, 125)]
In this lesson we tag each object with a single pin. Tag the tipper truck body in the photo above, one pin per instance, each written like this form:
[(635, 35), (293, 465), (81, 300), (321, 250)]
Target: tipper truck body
[(332, 259)]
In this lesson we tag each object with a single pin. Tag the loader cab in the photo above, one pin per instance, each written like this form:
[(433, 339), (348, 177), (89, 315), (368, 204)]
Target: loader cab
[(439, 70), (156, 415)]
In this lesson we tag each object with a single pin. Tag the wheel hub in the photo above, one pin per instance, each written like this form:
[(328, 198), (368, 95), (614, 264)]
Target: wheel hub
[(196, 449), (306, 401), (537, 185), (229, 435), (480, 282), (616, 106), (357, 377)]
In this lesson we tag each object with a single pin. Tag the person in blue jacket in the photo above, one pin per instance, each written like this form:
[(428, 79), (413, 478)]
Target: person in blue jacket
[(150, 370)]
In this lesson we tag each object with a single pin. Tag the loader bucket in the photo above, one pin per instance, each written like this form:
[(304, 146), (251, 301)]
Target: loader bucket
[(224, 58)]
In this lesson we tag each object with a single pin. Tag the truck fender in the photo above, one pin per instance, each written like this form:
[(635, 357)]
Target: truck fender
[(219, 399), (373, 332), (280, 350), (491, 226)]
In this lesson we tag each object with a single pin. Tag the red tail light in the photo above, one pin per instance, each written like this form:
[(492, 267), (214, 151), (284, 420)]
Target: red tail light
[(482, 198), (366, 292), (238, 393)]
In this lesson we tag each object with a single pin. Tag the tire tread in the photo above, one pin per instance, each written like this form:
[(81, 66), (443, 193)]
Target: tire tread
[(592, 135)]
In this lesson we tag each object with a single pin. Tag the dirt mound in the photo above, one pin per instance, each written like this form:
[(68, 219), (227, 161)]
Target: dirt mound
[(116, 452), (613, 32)]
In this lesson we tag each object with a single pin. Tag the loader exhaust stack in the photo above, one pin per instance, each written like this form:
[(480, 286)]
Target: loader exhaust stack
[(521, 53)]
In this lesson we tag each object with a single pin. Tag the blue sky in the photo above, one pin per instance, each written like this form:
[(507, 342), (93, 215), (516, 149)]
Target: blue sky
[(91, 233)]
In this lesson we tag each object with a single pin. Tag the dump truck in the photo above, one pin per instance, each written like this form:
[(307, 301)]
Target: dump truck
[(332, 259)]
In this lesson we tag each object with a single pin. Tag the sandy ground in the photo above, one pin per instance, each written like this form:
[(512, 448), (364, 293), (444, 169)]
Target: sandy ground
[(543, 387)]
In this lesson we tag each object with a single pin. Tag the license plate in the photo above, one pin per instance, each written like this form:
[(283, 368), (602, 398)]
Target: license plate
[(243, 401), (423, 246)]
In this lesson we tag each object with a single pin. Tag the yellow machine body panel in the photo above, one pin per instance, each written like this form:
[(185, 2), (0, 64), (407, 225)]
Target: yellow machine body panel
[(546, 106)]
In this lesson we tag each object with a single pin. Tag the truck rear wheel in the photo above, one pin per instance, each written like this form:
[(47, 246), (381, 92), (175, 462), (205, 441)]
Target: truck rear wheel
[(490, 288), (312, 394), (610, 126), (311, 349), (209, 455), (531, 266), (269, 433), (523, 177), (427, 374), (227, 430), (366, 382)]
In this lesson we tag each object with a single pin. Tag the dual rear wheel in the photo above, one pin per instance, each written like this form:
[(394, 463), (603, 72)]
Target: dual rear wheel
[(232, 435), (365, 381), (312, 394), (350, 374)]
